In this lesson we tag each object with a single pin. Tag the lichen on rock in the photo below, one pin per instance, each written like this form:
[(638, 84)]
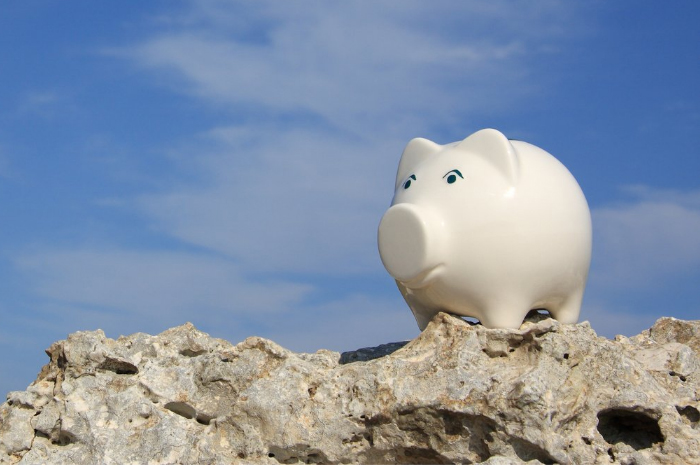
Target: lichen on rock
[(458, 393)]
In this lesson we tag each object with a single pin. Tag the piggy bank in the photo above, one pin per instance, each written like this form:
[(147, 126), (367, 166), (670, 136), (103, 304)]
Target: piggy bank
[(488, 228)]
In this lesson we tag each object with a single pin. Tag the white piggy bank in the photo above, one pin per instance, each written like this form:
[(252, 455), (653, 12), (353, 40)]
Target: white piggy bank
[(486, 228)]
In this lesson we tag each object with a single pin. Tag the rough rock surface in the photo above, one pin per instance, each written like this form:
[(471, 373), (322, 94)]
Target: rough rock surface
[(458, 393)]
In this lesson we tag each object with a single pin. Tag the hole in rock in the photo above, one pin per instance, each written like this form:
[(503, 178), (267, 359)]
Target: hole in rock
[(495, 352), (680, 376), (527, 451), (611, 454), (354, 438), (420, 455), (636, 429), (191, 352), (422, 423), (204, 419), (61, 361), (299, 453), (689, 412), (181, 408), (64, 438), (120, 367)]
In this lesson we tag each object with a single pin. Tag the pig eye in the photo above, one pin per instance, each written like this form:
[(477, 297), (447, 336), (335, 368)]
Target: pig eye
[(452, 176), (407, 184)]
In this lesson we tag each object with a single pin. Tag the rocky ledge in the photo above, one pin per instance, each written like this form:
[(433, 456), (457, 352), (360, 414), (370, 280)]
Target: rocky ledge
[(458, 393)]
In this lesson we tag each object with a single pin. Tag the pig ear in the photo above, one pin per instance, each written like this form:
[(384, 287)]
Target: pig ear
[(416, 151), (494, 147)]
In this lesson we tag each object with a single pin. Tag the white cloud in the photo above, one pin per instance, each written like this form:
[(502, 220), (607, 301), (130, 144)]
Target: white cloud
[(154, 286), (332, 91), (644, 243), (643, 250), (299, 201), (122, 291), (354, 64), (683, 198)]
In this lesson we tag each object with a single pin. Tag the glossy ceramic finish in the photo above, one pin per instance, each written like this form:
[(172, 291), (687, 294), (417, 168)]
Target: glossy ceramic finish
[(486, 228)]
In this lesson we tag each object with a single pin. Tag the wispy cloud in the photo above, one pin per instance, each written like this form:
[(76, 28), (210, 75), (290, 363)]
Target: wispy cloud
[(684, 198), (150, 286), (298, 201), (643, 249), (351, 65), (125, 291), (41, 103), (648, 240), (332, 93)]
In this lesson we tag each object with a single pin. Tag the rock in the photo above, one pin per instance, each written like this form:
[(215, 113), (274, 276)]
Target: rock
[(370, 353), (458, 393)]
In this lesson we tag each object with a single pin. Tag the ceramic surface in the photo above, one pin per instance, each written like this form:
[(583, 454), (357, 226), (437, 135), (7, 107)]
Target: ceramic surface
[(486, 228)]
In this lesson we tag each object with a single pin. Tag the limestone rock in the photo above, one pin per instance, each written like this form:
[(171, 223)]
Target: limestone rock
[(458, 393)]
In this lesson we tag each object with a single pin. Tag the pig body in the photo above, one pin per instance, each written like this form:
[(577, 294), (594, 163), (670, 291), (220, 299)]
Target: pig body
[(486, 228)]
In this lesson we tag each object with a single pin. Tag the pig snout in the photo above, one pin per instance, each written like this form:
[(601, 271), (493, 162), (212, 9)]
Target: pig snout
[(409, 243)]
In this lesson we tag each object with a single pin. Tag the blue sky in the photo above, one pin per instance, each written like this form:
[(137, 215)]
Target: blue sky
[(227, 163)]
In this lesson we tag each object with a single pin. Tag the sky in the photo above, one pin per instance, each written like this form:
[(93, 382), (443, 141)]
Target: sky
[(227, 163)]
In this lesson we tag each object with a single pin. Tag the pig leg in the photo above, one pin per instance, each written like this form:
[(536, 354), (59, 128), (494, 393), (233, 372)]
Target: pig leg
[(423, 319), (504, 315), (569, 310), (421, 313)]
